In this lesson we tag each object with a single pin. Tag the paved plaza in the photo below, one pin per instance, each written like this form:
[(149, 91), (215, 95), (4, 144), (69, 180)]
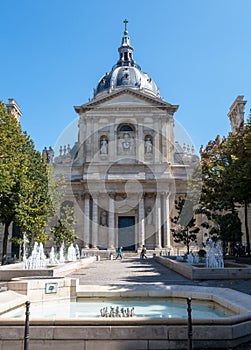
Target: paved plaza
[(133, 273)]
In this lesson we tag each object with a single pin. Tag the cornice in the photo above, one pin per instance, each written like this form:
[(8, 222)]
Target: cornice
[(157, 102)]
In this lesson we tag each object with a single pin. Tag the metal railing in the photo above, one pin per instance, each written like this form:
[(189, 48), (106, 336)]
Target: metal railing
[(189, 325), (27, 326)]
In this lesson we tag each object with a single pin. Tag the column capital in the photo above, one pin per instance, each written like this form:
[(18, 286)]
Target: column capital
[(165, 194), (112, 194), (141, 195), (95, 194), (148, 194), (86, 195), (78, 197)]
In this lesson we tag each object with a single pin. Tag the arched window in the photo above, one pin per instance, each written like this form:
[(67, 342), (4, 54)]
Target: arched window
[(125, 127), (126, 139)]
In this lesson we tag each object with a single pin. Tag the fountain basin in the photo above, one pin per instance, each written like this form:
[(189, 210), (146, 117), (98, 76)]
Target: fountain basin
[(86, 308), (199, 272), (8, 272), (137, 332)]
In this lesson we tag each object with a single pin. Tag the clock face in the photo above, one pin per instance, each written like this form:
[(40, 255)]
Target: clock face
[(126, 144)]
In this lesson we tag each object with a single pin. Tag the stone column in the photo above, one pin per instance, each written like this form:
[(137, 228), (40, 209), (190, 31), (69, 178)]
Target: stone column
[(111, 238), (87, 220), (166, 219), (78, 210), (158, 221), (141, 225), (95, 220)]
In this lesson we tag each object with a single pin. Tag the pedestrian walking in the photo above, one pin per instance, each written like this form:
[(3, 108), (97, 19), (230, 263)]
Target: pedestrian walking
[(143, 253), (119, 254)]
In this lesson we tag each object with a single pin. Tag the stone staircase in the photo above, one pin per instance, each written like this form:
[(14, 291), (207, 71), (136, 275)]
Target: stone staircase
[(127, 254)]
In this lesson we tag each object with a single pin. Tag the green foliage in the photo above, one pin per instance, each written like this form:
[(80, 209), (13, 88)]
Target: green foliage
[(229, 227), (226, 174), (25, 186), (184, 230), (12, 170), (64, 230), (226, 227), (202, 253), (215, 188)]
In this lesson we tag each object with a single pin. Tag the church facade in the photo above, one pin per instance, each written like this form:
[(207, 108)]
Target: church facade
[(126, 169)]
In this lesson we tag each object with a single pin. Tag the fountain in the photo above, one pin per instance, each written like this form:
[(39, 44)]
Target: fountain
[(217, 320), (117, 312), (61, 254), (38, 265), (211, 269), (214, 256), (71, 254), (37, 259), (193, 259), (53, 260)]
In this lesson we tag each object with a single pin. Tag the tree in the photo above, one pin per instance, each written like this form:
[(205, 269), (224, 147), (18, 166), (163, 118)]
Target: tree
[(226, 169), (246, 179), (35, 205), (226, 227), (184, 230), (27, 194), (12, 171), (240, 146), (64, 229), (216, 190)]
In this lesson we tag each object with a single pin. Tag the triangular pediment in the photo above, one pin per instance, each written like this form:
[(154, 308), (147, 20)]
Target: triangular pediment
[(126, 97)]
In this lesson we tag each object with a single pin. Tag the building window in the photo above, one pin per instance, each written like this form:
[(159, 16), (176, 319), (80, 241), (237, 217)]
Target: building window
[(126, 139), (125, 127)]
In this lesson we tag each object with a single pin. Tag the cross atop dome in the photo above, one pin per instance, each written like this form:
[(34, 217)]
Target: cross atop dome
[(125, 50), (125, 31)]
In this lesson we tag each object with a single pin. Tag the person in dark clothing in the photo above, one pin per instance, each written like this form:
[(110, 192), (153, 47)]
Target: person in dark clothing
[(143, 253)]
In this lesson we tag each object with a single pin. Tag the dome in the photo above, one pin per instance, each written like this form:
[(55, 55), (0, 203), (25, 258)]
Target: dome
[(126, 73)]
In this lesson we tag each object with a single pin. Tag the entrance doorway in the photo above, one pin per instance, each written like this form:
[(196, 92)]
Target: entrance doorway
[(126, 232)]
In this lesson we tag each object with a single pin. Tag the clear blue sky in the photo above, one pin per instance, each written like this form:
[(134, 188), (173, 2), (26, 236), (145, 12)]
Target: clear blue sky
[(53, 53)]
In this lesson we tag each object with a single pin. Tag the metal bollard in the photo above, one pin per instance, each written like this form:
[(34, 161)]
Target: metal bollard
[(27, 326), (189, 325)]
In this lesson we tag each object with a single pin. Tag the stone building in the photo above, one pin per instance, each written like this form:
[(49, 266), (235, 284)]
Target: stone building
[(126, 168)]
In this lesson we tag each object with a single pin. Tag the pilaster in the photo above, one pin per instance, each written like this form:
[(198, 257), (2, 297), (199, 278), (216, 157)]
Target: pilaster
[(158, 222), (86, 220), (141, 225), (111, 236), (95, 224)]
